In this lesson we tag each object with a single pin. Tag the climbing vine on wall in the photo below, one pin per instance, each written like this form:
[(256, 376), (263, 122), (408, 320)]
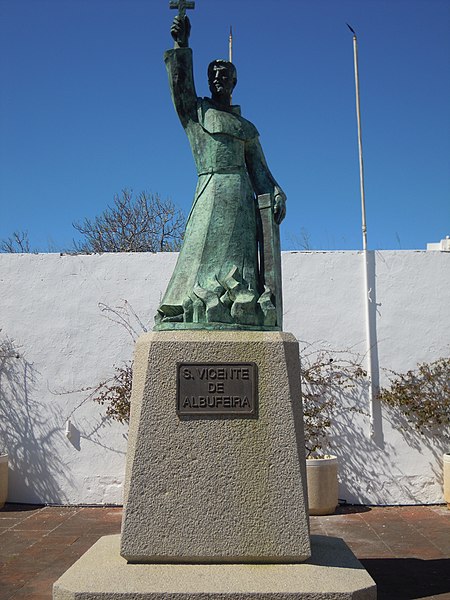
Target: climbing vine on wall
[(115, 393), (328, 376), (422, 395)]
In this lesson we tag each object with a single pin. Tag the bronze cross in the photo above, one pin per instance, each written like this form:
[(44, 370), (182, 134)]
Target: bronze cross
[(182, 5)]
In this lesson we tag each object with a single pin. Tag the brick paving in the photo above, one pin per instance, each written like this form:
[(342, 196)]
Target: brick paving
[(405, 549)]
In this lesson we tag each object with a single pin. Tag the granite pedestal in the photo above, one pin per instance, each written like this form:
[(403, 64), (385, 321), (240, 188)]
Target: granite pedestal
[(212, 487), (215, 504)]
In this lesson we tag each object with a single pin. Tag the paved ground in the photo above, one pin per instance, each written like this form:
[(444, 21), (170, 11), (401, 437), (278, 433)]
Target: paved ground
[(405, 549)]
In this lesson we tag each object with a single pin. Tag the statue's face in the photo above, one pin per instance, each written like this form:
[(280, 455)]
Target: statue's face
[(221, 82)]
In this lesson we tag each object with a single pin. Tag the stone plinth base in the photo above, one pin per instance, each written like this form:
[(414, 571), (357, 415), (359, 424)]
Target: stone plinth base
[(332, 573), (210, 488)]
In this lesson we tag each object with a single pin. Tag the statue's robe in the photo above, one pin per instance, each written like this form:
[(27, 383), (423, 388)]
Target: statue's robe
[(217, 281)]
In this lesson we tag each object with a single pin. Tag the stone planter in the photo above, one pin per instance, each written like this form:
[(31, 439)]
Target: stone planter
[(446, 465), (321, 477), (3, 479)]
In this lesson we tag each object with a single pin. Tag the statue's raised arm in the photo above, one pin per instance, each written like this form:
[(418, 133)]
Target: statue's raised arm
[(180, 71)]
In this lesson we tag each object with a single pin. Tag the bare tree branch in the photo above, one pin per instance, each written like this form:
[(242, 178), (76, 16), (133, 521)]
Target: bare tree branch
[(17, 243), (302, 241), (143, 224)]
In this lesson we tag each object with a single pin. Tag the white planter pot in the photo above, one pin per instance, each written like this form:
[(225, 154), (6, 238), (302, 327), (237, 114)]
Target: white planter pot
[(3, 479), (322, 481), (446, 461)]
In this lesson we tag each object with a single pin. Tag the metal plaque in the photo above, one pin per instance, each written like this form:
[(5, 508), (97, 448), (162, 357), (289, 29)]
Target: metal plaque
[(217, 389)]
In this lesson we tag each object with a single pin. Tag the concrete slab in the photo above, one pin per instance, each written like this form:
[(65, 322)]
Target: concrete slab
[(332, 573), (217, 487)]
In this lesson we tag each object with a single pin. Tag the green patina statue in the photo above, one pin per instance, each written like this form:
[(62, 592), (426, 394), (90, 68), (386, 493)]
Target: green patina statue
[(228, 273)]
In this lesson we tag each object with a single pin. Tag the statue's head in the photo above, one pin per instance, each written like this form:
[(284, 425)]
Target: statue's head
[(222, 78)]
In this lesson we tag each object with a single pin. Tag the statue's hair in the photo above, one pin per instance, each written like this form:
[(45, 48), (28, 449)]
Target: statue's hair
[(226, 63)]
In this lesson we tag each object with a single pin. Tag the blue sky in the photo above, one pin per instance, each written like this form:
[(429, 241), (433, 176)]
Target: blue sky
[(85, 111)]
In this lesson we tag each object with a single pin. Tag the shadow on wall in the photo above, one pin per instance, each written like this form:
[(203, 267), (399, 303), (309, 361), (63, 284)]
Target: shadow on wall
[(435, 441), (371, 469), (367, 465), (28, 438), (79, 432), (368, 470), (365, 462)]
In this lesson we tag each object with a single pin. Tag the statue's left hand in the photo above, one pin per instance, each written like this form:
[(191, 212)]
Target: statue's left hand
[(279, 209)]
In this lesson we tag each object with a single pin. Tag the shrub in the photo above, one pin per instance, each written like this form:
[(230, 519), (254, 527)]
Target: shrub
[(422, 395)]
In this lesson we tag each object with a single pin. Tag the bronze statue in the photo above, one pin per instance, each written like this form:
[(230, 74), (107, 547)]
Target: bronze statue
[(228, 274)]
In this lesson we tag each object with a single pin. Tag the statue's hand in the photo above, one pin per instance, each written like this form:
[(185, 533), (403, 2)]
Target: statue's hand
[(180, 31), (279, 209)]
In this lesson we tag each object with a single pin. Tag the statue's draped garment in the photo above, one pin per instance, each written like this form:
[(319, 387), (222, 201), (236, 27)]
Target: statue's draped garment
[(217, 281)]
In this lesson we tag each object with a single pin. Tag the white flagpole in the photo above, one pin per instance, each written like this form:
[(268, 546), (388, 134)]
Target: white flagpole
[(367, 289), (230, 45), (360, 148)]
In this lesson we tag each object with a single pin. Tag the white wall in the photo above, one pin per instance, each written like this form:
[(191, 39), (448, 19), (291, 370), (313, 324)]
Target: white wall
[(50, 307)]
